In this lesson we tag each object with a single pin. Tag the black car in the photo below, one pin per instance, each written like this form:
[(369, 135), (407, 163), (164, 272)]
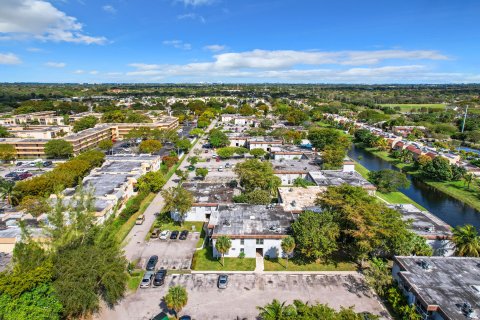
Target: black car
[(11, 175), (185, 318), (174, 235), (47, 163), (159, 278), (183, 235), (19, 163), (152, 262)]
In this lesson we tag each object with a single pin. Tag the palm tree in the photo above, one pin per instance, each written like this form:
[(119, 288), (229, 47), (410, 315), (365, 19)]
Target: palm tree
[(468, 177), (276, 311), (176, 299), (222, 245), (7, 191), (467, 241), (288, 245)]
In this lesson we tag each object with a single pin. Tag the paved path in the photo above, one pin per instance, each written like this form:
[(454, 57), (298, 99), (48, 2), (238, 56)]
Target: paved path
[(259, 263), (135, 240)]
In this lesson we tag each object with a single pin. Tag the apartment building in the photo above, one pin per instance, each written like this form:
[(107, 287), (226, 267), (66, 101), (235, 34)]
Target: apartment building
[(43, 118), (38, 131)]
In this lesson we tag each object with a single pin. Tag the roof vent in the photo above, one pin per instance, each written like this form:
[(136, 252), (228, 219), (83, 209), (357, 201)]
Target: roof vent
[(252, 217), (467, 309), (226, 223), (425, 265)]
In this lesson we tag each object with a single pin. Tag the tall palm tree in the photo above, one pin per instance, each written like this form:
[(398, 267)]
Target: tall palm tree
[(222, 245), (7, 191), (176, 299), (468, 177), (288, 245), (467, 241), (276, 311)]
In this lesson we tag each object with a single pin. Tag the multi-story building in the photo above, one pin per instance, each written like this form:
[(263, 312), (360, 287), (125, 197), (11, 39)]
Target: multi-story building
[(42, 118)]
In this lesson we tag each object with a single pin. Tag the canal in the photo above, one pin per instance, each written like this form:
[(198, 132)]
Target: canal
[(450, 210)]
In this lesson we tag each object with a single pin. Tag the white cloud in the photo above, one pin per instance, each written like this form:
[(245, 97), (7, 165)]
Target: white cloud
[(195, 3), (215, 47), (192, 16), (52, 64), (22, 19), (93, 72), (79, 71), (9, 58), (109, 8), (34, 49), (380, 66), (178, 44)]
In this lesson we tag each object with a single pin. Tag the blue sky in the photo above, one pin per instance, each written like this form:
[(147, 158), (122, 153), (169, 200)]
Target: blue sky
[(409, 41)]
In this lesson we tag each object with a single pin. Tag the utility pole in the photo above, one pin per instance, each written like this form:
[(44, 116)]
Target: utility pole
[(464, 118)]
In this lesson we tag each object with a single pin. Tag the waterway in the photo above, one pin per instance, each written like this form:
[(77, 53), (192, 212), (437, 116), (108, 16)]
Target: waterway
[(450, 210)]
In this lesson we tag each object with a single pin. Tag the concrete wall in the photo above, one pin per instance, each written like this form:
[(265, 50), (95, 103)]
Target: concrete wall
[(195, 214), (271, 247), (287, 179)]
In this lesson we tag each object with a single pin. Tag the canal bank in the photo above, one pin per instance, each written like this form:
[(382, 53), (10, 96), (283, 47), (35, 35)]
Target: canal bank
[(452, 211)]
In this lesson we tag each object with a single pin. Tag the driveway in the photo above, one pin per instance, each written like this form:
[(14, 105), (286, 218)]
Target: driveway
[(246, 291)]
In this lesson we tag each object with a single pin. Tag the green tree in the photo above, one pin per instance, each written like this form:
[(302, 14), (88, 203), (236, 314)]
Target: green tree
[(34, 205), (197, 132), (193, 160), (176, 299), (333, 157), (255, 174), (379, 276), (258, 152), (105, 144), (177, 200), (226, 152), (58, 148), (388, 180), (7, 152), (296, 116), (316, 234), (277, 311), (438, 169), (218, 139), (467, 241), (152, 181), (201, 172), (85, 123), (150, 146), (257, 197), (322, 137), (223, 245), (8, 192), (4, 133), (468, 178), (183, 144), (300, 182), (288, 245)]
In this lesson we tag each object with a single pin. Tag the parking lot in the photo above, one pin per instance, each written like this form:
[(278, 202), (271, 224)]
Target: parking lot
[(245, 292), (172, 254), (24, 167)]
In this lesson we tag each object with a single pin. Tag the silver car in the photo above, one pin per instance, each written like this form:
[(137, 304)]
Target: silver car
[(147, 279), (222, 281)]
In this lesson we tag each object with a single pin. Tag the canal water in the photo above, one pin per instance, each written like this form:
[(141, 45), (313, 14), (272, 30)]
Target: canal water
[(450, 210)]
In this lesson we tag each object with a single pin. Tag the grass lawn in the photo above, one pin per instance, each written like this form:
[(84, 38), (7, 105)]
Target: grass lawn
[(175, 226), (392, 197), (280, 265), (204, 260), (127, 226), (407, 107), (134, 279), (202, 239)]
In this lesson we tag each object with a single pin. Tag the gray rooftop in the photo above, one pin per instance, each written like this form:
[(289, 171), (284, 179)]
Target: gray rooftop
[(106, 184), (303, 165), (131, 157), (246, 220), (423, 223), (448, 282), (205, 192), (338, 177), (120, 166)]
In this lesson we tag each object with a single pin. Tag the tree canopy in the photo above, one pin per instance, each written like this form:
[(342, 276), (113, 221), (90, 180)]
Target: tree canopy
[(58, 148)]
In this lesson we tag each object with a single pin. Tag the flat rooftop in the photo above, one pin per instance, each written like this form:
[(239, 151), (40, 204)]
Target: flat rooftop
[(120, 167), (424, 223), (205, 192), (251, 221), (446, 285), (337, 177), (294, 166), (132, 157), (297, 199)]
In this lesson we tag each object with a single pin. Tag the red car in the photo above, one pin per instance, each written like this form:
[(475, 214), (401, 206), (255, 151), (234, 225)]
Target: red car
[(24, 175), (218, 159)]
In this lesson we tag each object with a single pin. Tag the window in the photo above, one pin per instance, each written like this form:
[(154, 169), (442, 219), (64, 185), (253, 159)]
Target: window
[(259, 241), (242, 250), (242, 242)]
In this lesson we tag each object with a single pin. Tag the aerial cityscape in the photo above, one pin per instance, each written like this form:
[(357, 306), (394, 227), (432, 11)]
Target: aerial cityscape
[(240, 160)]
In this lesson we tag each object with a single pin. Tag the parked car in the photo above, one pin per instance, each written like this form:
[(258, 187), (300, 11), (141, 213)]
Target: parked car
[(191, 168), (155, 233), (222, 281), (164, 235), (220, 169), (208, 160), (174, 235), (218, 159), (183, 235), (161, 316), (147, 279), (185, 318), (12, 174), (227, 165), (152, 262), (140, 219), (159, 278), (206, 151), (24, 175), (47, 163), (19, 163)]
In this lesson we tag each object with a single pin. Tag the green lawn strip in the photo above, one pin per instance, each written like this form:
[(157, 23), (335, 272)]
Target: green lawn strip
[(201, 240), (293, 265), (127, 226), (406, 107), (134, 279), (175, 226), (455, 189), (203, 260), (392, 197)]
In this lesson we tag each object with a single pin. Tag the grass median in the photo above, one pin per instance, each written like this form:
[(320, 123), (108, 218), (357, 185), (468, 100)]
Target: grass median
[(279, 264), (203, 260)]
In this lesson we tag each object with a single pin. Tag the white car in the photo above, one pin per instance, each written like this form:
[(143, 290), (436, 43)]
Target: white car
[(164, 235)]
